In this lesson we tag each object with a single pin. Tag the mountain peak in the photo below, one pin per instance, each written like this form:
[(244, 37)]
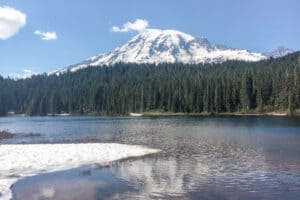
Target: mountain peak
[(167, 46), (164, 33), (279, 52)]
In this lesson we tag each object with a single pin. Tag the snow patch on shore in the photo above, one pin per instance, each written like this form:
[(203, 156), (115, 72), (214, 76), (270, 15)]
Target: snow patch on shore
[(18, 161)]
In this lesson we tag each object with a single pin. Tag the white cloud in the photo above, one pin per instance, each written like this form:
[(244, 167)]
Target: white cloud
[(138, 25), (11, 20), (46, 35)]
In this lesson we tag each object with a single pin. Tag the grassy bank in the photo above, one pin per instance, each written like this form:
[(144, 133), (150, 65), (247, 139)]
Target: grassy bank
[(278, 113)]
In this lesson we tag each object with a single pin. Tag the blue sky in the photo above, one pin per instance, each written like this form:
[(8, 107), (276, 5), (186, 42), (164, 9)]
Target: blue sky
[(84, 28)]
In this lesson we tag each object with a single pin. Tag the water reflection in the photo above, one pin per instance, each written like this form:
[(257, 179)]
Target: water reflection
[(202, 158), (82, 183), (196, 178), (158, 177)]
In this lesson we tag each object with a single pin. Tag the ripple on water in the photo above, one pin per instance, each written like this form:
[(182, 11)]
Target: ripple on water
[(202, 158)]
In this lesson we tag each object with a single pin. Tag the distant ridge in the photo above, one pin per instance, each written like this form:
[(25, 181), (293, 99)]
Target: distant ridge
[(279, 52)]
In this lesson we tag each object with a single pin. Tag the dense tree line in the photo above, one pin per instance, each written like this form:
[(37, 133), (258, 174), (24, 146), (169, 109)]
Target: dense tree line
[(232, 86)]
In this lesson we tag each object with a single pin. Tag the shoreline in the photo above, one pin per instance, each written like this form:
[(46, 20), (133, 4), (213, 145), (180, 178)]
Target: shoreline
[(216, 114), (158, 113), (23, 160)]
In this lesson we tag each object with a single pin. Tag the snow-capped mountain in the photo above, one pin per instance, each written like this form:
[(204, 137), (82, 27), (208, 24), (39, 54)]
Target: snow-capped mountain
[(279, 52), (167, 46)]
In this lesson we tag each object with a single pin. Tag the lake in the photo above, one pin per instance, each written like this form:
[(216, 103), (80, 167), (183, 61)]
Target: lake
[(202, 157)]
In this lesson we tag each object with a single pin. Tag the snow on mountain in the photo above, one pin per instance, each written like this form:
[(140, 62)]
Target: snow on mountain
[(279, 52), (167, 46)]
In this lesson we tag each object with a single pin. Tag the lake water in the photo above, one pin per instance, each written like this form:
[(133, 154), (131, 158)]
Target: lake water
[(205, 157)]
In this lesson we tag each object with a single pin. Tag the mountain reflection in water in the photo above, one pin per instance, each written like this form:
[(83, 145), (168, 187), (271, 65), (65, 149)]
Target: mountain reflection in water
[(201, 158)]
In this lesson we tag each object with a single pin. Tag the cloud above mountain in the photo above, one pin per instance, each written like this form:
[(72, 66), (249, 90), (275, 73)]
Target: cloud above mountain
[(138, 25), (11, 20), (46, 35)]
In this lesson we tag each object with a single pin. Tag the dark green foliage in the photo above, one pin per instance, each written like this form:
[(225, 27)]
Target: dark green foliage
[(233, 86)]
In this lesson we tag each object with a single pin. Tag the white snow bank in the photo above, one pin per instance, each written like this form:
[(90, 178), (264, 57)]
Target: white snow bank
[(18, 161)]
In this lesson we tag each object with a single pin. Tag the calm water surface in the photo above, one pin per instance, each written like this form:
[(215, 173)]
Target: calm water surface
[(242, 157)]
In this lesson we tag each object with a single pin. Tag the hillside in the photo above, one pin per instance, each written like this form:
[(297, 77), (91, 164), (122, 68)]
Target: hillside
[(232, 86)]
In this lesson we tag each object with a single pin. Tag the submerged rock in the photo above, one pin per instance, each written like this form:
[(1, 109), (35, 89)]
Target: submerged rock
[(5, 134)]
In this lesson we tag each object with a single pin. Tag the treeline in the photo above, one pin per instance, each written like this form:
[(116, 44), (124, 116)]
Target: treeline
[(232, 86)]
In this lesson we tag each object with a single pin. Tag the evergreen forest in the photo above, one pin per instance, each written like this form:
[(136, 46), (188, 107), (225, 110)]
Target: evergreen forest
[(271, 85)]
